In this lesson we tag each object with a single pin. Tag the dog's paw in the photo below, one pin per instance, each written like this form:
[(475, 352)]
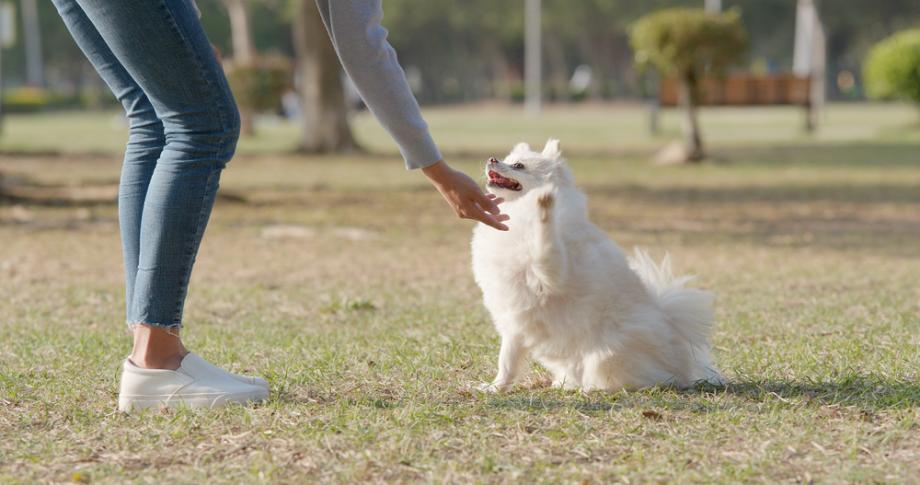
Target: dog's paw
[(565, 385), (491, 387), (545, 202)]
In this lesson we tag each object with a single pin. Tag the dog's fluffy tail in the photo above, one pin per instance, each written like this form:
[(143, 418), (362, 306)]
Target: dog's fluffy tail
[(688, 309)]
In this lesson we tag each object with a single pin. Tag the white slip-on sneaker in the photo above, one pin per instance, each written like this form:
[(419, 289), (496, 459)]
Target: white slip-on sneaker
[(251, 380), (196, 384)]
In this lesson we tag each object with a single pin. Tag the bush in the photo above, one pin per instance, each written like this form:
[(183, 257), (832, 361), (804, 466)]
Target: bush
[(688, 42), (32, 100), (259, 87), (892, 68), (28, 99), (24, 100)]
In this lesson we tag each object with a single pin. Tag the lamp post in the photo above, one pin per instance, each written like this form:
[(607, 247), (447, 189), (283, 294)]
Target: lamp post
[(32, 38), (810, 57), (533, 57), (7, 37)]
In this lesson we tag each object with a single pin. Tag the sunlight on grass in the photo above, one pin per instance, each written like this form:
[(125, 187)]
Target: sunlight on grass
[(491, 129), (345, 281)]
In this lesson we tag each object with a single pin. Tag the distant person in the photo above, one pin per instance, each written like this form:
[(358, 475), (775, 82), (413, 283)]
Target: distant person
[(184, 125)]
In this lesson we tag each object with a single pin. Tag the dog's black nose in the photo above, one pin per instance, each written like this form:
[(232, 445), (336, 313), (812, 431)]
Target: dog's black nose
[(492, 160)]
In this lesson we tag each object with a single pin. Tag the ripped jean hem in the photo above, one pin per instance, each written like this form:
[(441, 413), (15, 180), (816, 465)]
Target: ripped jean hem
[(168, 326)]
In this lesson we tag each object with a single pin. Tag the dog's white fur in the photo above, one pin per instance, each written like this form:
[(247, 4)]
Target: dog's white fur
[(560, 291)]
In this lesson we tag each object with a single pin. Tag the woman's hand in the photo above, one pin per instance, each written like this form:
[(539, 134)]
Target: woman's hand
[(465, 196)]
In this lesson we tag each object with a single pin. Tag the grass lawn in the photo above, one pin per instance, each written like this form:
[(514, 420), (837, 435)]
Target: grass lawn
[(346, 283), (491, 129)]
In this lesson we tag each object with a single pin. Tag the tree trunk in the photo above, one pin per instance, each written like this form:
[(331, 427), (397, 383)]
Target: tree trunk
[(693, 142), (247, 121), (558, 68), (595, 51), (498, 63), (243, 48), (586, 48), (324, 114), (243, 52), (35, 69)]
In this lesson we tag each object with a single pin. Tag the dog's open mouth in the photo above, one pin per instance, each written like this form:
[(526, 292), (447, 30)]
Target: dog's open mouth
[(497, 180)]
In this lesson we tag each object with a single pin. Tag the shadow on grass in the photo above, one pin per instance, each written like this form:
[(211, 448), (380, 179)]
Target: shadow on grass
[(839, 155), (856, 193), (838, 158), (93, 195), (21, 189), (867, 393)]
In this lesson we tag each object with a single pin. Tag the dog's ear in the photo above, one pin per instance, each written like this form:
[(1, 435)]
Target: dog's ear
[(521, 147), (552, 150)]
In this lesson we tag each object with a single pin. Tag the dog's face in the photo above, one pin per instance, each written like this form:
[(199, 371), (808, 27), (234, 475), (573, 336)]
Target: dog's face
[(524, 170)]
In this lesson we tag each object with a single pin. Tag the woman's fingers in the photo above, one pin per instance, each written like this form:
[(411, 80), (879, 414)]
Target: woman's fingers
[(488, 204), (490, 220), (478, 213), (499, 217), (466, 197)]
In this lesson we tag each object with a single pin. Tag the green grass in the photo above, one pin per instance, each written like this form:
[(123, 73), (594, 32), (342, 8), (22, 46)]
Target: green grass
[(346, 283), (487, 129)]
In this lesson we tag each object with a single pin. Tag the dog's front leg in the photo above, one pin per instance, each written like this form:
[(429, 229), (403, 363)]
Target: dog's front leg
[(549, 254), (511, 361)]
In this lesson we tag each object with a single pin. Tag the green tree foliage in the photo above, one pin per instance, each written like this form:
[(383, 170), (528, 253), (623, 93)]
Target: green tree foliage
[(689, 44), (258, 87), (473, 49), (892, 68)]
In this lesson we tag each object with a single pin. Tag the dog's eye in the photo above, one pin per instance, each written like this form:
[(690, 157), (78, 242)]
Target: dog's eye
[(518, 166)]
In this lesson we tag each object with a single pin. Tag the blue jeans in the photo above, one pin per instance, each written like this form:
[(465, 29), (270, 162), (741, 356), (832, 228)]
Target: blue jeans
[(184, 125)]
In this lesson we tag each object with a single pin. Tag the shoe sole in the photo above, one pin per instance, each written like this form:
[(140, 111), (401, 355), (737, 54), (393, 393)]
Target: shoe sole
[(129, 404)]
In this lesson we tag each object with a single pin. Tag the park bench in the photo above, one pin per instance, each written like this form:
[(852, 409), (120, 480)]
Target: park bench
[(745, 90)]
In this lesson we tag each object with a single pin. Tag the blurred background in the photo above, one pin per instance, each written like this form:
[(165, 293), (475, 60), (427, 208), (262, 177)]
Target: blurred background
[(478, 54), (731, 87), (772, 147)]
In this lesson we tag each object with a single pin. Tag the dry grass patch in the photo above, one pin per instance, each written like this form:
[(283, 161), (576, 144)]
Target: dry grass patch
[(346, 283)]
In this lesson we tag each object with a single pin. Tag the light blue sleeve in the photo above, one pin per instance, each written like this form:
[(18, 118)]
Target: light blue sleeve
[(370, 61)]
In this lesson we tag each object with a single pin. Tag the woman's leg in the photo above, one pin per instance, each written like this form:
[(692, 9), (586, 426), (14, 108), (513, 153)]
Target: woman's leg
[(162, 47), (145, 140), (184, 128), (153, 346)]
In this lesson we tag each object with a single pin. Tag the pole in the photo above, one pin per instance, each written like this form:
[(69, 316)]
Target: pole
[(1, 75), (714, 6), (818, 93), (533, 57), (6, 37), (809, 59), (654, 105), (33, 43)]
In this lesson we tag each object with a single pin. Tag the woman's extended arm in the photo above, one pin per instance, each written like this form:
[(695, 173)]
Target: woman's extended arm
[(370, 61)]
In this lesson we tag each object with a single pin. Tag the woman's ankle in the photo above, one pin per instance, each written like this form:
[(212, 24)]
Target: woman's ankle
[(157, 348), (148, 361)]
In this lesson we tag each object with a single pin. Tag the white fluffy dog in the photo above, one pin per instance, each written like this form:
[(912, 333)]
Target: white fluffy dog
[(560, 291)]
